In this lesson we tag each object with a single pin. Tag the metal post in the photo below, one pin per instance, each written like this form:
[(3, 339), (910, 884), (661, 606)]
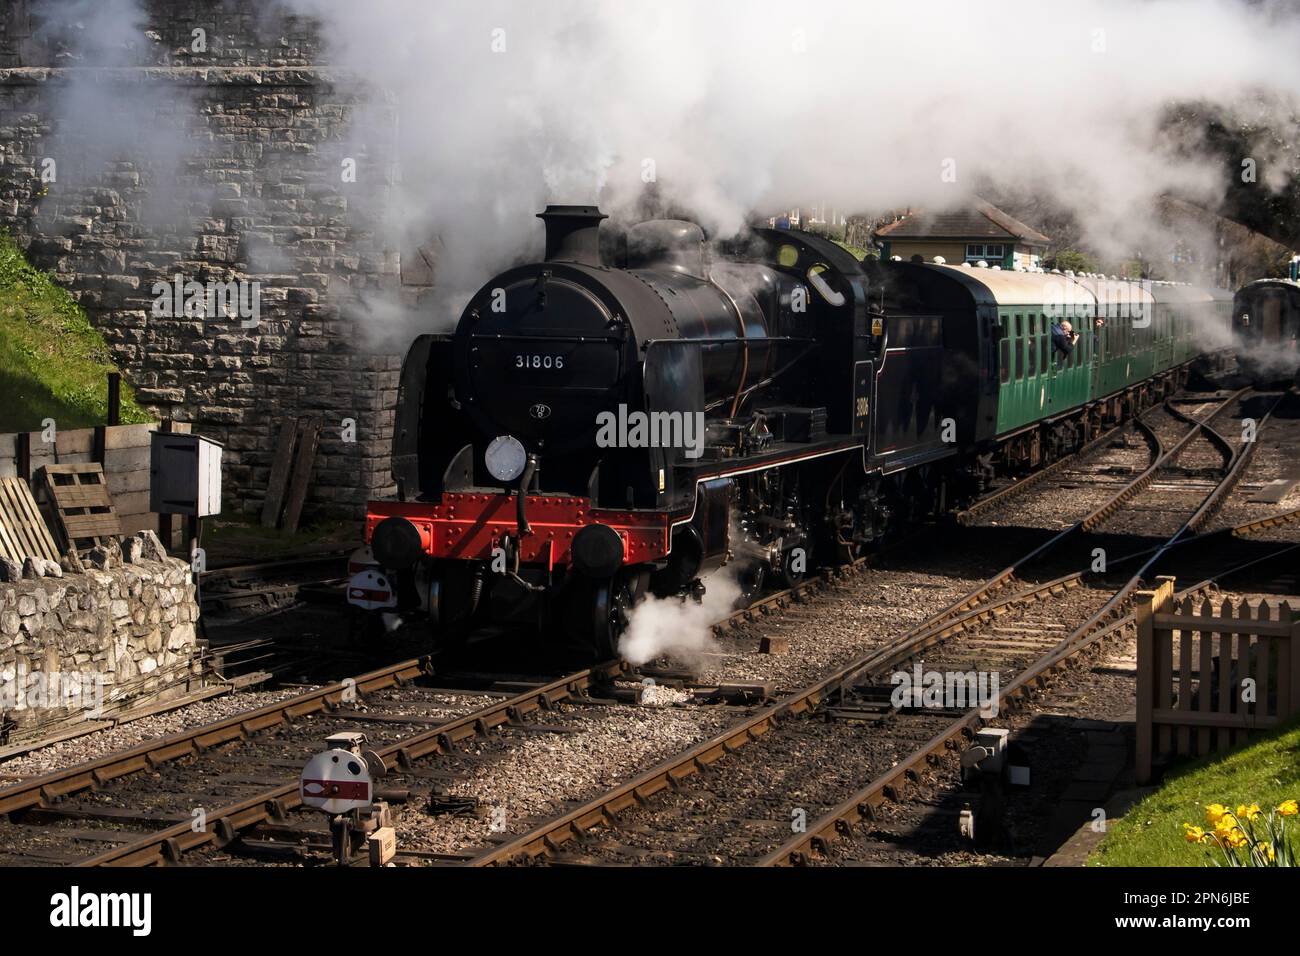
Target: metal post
[(114, 398), (165, 520)]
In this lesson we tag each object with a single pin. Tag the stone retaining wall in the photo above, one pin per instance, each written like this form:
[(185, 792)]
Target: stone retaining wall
[(218, 166), (86, 644)]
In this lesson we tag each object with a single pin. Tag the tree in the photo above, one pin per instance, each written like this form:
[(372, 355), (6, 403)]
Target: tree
[(1071, 260)]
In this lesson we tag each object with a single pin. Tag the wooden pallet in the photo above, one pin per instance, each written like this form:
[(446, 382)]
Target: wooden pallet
[(23, 532), (76, 498)]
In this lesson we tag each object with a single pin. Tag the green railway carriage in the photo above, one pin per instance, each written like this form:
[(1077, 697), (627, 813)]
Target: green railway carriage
[(1146, 332), (1032, 401)]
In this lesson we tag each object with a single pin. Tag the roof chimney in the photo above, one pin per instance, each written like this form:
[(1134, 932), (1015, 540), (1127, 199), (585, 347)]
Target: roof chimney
[(573, 234)]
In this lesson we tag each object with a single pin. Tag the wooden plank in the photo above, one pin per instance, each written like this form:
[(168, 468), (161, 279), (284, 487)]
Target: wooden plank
[(92, 526), (1292, 669), (1241, 650), (1142, 614), (1203, 689), (1183, 719), (10, 545), (126, 482), (1225, 679), (279, 479), (124, 460), (1284, 686), (25, 532), (1263, 663), (80, 441), (81, 496), (93, 468), (1265, 627), (308, 436), (132, 503), (38, 528), (125, 437), (1184, 688), (1164, 654)]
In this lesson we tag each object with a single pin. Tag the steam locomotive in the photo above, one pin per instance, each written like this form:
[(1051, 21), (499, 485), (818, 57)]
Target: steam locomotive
[(628, 415), (1266, 321)]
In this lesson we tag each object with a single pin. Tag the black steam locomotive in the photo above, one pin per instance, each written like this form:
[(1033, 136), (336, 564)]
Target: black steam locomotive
[(626, 416)]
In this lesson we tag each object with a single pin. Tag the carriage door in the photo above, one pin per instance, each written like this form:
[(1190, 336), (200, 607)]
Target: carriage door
[(1096, 349)]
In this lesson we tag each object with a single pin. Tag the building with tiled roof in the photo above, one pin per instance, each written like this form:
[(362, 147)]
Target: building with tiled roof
[(979, 232)]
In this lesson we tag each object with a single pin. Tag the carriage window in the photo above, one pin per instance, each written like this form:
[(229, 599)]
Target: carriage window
[(1032, 352), (1020, 358), (1020, 325), (1042, 352), (1004, 361)]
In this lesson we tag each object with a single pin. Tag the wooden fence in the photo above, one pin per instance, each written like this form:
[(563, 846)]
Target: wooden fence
[(1207, 679), (123, 450)]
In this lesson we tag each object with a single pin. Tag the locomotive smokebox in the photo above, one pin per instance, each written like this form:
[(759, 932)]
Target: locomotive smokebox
[(573, 234)]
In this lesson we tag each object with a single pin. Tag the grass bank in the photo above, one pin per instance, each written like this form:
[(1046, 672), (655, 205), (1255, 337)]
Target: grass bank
[(53, 363), (1151, 834)]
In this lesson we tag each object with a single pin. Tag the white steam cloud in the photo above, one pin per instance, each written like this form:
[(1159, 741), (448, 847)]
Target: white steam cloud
[(737, 106), (679, 627)]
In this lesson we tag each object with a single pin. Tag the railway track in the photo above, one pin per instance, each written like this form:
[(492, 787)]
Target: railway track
[(79, 801), (1021, 633), (141, 801)]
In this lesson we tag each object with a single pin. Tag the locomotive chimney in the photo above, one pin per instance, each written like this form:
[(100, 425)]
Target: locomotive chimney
[(573, 233)]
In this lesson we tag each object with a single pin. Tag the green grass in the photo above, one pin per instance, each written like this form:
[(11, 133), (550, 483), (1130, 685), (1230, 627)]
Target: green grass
[(856, 251), (53, 363), (1151, 833), (242, 539)]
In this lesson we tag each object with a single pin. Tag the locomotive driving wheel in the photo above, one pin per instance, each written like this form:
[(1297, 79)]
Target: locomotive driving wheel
[(612, 609), (600, 612), (752, 581)]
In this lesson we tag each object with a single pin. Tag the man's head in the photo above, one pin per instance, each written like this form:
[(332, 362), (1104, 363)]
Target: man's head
[(1066, 327)]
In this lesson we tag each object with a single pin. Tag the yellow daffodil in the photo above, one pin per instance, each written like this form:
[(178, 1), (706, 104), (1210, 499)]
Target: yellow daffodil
[(1288, 808), (1193, 834), (1214, 812), (1225, 825), (1247, 812), (1236, 839)]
